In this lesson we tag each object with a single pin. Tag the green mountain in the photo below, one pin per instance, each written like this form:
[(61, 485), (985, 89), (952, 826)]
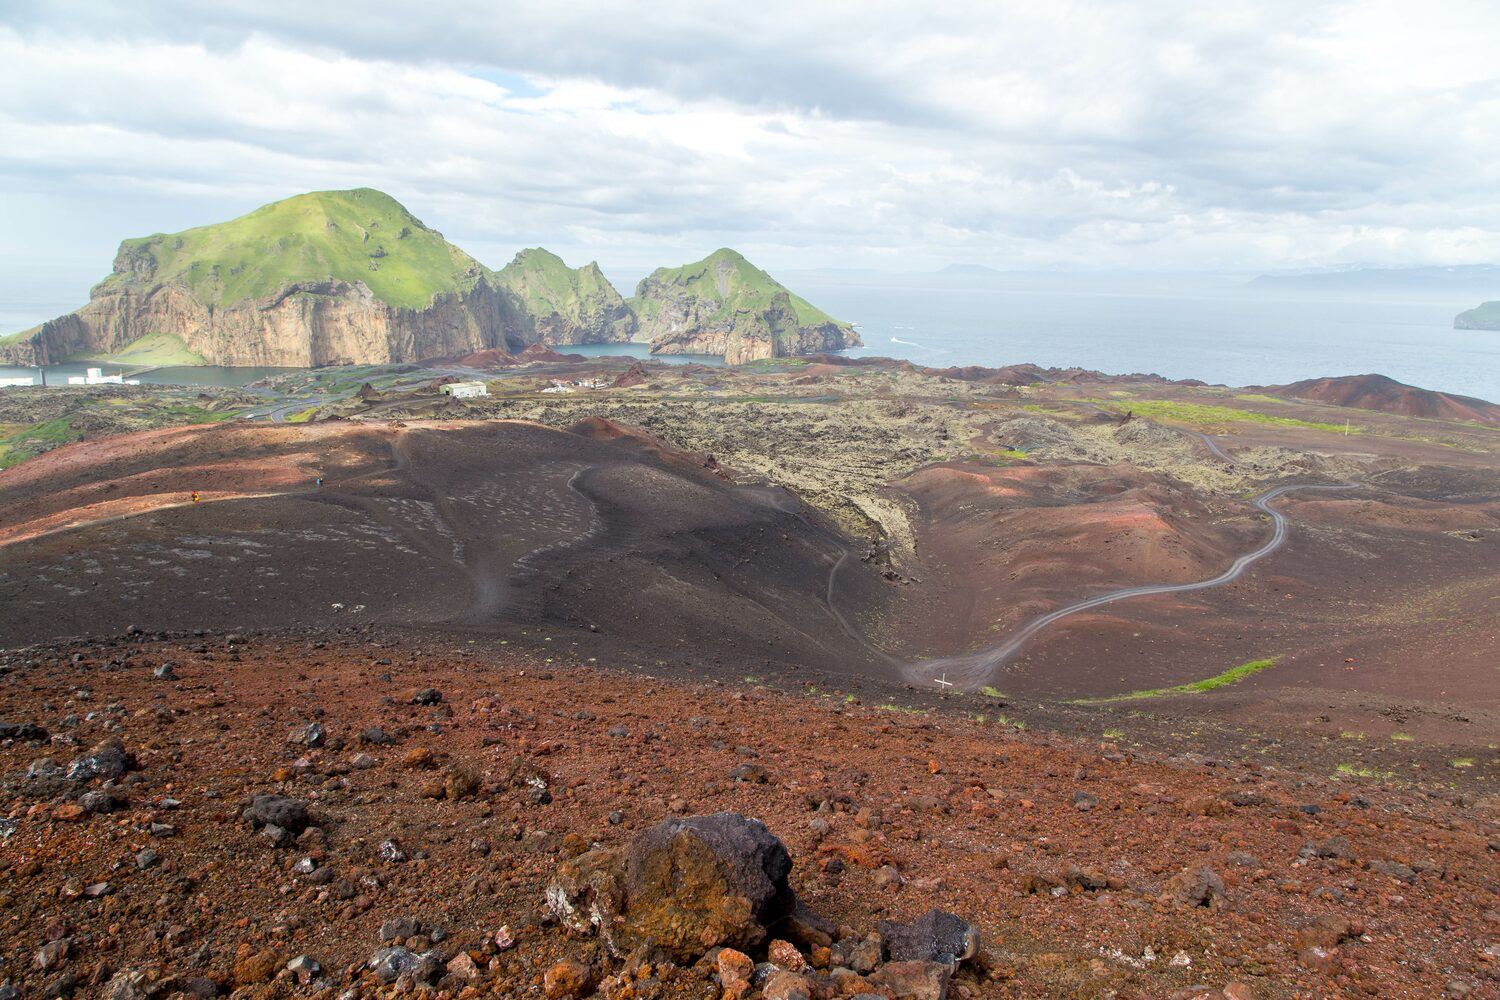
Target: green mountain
[(568, 305), (352, 277), (1485, 316), (723, 304), (331, 277), (354, 236)]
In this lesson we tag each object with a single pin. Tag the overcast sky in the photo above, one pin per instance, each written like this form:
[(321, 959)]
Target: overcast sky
[(1149, 134)]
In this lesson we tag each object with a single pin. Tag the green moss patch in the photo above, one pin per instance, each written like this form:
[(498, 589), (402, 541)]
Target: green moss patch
[(1231, 676)]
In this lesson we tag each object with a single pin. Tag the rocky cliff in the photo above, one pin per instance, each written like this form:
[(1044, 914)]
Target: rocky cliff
[(324, 278), (725, 305), (567, 305), (301, 325), (352, 277)]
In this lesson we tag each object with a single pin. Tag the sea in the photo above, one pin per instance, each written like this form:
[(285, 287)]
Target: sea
[(1228, 331), (1221, 329)]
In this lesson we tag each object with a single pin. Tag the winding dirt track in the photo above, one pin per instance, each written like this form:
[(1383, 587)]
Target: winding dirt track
[(974, 669)]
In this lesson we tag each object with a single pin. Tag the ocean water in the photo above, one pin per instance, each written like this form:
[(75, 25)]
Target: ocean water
[(1217, 332), (642, 351), (195, 375), (1215, 328)]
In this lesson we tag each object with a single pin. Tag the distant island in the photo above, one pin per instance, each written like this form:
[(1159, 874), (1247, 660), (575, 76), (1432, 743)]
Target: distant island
[(352, 277), (1456, 279), (968, 269), (1485, 316)]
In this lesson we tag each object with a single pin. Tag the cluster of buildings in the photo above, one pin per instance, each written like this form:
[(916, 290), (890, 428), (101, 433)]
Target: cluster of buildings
[(576, 384), (96, 376), (90, 376)]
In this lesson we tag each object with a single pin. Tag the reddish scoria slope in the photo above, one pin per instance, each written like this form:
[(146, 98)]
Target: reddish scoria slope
[(1377, 392)]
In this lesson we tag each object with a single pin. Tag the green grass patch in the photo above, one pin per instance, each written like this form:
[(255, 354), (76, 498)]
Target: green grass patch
[(1205, 414), (1401, 738), (1357, 771), (302, 416), (149, 351), (1462, 762), (1114, 733), (11, 339), (991, 692), (18, 442), (355, 236), (1231, 676), (891, 706)]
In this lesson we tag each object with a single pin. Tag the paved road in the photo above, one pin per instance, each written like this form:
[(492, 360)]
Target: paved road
[(970, 671), (1213, 446), (279, 411)]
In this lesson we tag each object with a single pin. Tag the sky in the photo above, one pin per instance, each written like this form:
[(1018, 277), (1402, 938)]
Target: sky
[(1070, 135)]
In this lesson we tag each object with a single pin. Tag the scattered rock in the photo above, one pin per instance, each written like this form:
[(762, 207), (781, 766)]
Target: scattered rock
[(936, 936), (256, 966), (28, 732), (1403, 873), (312, 736), (390, 964), (913, 980), (568, 978), (305, 968), (736, 972), (101, 801), (460, 783), (106, 761), (280, 811), (399, 929), (1196, 887)]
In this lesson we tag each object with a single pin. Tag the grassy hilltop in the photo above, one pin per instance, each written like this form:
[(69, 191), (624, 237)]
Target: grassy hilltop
[(724, 283), (564, 301), (358, 235), (277, 286)]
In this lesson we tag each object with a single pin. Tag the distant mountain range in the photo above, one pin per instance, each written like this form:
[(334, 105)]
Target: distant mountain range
[(1468, 278), (352, 277)]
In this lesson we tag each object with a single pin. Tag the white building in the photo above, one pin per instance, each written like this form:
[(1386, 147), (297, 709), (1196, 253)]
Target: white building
[(96, 376), (465, 390), (6, 383)]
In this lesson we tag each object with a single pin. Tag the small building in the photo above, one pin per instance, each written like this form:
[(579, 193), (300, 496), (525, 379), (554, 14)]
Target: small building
[(7, 383), (465, 390), (96, 376)]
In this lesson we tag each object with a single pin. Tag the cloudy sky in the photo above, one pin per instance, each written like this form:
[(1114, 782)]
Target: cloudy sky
[(1150, 134)]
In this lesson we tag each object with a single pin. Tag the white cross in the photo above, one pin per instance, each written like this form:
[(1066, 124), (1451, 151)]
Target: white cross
[(944, 681)]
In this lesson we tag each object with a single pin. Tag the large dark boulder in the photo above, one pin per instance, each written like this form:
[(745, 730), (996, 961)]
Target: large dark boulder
[(681, 887)]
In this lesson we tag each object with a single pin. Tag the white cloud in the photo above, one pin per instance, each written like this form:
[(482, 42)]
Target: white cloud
[(1081, 134)]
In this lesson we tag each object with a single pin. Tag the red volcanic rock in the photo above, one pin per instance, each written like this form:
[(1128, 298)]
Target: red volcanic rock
[(1386, 395), (494, 357), (541, 352), (1009, 375), (636, 374)]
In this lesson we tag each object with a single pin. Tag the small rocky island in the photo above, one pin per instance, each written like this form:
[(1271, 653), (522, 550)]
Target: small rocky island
[(1485, 316), (352, 277)]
